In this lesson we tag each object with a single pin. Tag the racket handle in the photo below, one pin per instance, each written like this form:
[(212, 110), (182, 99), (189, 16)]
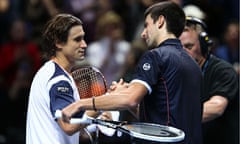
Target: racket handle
[(58, 114), (83, 120)]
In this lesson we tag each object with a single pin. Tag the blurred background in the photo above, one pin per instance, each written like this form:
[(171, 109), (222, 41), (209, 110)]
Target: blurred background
[(112, 29)]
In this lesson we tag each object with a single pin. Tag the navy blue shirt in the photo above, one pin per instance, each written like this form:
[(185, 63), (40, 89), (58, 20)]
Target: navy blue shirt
[(173, 79)]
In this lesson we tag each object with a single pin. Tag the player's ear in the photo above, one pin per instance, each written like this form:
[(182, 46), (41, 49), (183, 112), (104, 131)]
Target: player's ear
[(59, 44), (161, 21)]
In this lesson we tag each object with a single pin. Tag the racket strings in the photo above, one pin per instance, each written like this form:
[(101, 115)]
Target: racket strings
[(89, 82), (151, 130)]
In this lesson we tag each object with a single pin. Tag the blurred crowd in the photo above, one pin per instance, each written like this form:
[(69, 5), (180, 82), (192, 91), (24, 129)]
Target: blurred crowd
[(112, 29)]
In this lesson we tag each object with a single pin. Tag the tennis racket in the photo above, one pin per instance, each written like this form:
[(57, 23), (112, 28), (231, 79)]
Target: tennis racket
[(146, 131), (90, 82)]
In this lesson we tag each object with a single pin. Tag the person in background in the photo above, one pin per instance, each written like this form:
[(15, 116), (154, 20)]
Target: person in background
[(220, 95), (194, 11), (109, 52), (138, 48), (20, 59), (53, 86), (166, 83), (229, 49), (37, 12)]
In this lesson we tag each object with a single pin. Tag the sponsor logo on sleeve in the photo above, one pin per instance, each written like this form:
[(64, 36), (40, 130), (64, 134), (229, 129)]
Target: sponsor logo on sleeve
[(63, 89), (146, 66)]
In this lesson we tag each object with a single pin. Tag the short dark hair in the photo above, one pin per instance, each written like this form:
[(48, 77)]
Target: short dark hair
[(57, 30), (173, 13)]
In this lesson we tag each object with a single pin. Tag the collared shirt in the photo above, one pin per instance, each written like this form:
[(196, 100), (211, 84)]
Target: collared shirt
[(173, 80), (52, 89)]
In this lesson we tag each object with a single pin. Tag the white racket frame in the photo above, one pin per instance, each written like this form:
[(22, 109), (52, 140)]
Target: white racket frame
[(89, 120)]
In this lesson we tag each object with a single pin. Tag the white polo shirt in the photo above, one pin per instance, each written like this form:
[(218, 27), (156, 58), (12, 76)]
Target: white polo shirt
[(52, 88)]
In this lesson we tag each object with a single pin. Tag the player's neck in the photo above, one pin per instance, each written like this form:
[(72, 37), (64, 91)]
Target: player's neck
[(62, 63), (165, 36)]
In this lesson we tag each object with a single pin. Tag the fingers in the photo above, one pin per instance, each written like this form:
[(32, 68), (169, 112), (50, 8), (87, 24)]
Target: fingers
[(68, 112), (126, 85), (65, 117), (114, 83), (113, 86), (121, 81), (117, 84), (106, 116)]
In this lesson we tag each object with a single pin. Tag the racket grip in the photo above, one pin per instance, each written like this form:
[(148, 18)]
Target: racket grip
[(80, 121), (83, 120), (58, 114)]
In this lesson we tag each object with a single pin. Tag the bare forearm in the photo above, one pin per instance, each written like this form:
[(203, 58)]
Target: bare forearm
[(73, 128), (116, 100), (209, 112), (214, 108), (106, 102)]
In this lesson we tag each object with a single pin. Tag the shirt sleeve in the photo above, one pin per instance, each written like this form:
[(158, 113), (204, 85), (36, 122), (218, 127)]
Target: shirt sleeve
[(225, 83), (147, 70), (61, 95)]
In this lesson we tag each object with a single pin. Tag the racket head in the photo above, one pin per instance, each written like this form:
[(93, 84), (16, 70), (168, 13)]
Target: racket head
[(153, 132), (89, 81)]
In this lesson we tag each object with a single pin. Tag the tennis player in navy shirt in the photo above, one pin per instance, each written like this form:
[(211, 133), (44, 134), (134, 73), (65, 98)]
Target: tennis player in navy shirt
[(167, 81)]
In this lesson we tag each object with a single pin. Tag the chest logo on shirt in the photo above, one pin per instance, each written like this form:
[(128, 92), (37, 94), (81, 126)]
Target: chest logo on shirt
[(146, 66), (63, 89)]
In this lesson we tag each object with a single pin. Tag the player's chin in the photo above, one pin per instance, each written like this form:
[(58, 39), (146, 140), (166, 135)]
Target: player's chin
[(80, 57)]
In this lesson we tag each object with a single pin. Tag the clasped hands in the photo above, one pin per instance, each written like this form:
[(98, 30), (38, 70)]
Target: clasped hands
[(118, 86), (75, 107)]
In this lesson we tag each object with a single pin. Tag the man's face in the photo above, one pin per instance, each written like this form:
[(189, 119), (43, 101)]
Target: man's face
[(151, 32), (74, 48), (190, 41)]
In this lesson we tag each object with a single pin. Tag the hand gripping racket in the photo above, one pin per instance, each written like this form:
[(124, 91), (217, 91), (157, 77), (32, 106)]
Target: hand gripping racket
[(146, 131)]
